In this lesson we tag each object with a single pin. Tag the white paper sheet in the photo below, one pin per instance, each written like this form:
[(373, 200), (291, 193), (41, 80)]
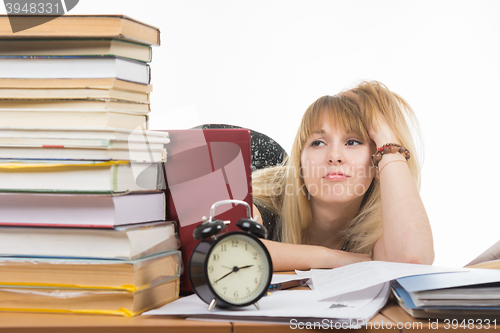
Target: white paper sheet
[(281, 278), (357, 307), (362, 275)]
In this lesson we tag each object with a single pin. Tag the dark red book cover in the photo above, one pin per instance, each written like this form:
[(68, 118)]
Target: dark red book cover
[(203, 167)]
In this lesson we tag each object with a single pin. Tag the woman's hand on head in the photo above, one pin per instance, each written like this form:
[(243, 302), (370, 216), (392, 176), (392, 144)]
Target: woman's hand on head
[(337, 258), (380, 132)]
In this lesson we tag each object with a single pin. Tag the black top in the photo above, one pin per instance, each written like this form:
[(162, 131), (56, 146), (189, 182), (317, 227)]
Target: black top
[(269, 220)]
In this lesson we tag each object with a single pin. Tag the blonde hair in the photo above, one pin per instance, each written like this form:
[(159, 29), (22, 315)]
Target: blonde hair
[(281, 189)]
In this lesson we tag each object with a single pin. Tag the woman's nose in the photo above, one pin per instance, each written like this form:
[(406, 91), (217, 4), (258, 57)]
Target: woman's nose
[(336, 156)]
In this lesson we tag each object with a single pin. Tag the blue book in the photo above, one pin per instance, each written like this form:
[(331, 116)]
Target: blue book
[(469, 294), (466, 278)]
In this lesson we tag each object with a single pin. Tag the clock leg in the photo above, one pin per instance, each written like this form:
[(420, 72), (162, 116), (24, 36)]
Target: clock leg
[(212, 304), (257, 305)]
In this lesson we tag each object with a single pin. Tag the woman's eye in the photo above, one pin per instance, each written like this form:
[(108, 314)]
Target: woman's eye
[(317, 143), (352, 142)]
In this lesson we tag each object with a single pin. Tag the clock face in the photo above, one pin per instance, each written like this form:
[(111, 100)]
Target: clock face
[(238, 269)]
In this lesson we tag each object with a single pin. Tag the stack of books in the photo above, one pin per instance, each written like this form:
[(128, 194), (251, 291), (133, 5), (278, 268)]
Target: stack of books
[(82, 206)]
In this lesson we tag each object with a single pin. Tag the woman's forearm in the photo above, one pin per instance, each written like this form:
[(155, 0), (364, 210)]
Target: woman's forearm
[(288, 257), (407, 235)]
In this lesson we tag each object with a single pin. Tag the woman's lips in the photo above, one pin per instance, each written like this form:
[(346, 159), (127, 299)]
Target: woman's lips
[(335, 176)]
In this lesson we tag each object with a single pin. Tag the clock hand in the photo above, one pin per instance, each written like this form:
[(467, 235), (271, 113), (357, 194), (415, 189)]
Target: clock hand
[(234, 269), (247, 266)]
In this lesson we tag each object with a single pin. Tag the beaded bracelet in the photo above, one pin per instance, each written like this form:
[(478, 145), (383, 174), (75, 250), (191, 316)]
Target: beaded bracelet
[(389, 148)]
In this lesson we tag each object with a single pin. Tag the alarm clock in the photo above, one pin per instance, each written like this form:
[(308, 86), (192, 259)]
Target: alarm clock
[(233, 269)]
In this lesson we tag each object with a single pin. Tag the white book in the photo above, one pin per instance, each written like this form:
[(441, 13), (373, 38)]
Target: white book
[(83, 138), (80, 210), (78, 143), (94, 154), (74, 68), (126, 242), (100, 133)]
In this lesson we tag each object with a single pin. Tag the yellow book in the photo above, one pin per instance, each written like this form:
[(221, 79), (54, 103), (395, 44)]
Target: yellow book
[(81, 26), (79, 176), (78, 119), (74, 105), (125, 275), (88, 301), (493, 264), (102, 83), (74, 94)]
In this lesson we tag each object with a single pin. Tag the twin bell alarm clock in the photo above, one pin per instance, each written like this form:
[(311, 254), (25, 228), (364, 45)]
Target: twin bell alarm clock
[(233, 269)]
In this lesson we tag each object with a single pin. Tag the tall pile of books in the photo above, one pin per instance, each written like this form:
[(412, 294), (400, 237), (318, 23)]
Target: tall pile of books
[(82, 211)]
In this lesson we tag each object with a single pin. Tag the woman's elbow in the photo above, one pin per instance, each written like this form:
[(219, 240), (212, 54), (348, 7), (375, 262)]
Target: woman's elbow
[(420, 258)]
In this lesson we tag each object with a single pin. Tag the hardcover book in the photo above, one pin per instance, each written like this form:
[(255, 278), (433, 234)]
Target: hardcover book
[(82, 26), (125, 242), (75, 47), (74, 68), (68, 176), (74, 118), (88, 301), (128, 275), (80, 210), (205, 166), (102, 83)]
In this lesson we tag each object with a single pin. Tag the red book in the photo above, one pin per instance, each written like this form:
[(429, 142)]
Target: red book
[(203, 167)]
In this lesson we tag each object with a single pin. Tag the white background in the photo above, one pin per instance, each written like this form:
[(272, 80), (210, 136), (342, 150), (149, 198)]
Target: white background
[(260, 64)]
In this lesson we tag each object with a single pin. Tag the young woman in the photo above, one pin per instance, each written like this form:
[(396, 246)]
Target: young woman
[(350, 189)]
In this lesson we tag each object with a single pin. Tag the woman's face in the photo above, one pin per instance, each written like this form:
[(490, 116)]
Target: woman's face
[(336, 166)]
